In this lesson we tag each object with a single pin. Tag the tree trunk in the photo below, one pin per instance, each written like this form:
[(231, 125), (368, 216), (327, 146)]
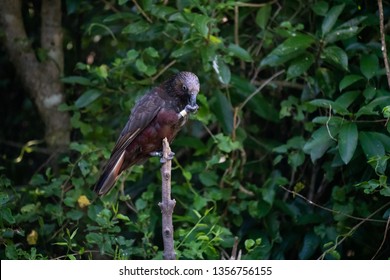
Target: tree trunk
[(40, 78)]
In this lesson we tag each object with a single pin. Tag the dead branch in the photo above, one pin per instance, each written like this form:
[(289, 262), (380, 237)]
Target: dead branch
[(167, 205)]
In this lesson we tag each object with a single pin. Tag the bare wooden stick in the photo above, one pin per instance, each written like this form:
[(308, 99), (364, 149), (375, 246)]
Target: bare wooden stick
[(167, 205), (384, 49)]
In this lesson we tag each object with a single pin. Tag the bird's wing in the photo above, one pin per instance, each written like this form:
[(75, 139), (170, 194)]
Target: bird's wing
[(141, 116)]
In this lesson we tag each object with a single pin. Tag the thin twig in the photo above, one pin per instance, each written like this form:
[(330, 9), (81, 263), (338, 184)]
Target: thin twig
[(142, 11), (331, 210), (383, 40), (337, 243), (253, 5), (266, 82), (129, 205), (167, 204), (163, 70), (384, 238)]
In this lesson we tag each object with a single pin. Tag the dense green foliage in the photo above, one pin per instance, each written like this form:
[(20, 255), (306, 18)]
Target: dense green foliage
[(318, 128)]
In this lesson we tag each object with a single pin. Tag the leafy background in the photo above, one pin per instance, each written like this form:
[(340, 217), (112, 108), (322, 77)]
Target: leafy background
[(288, 151)]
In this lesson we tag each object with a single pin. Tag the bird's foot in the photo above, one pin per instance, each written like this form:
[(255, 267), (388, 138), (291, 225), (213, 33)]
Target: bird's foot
[(161, 156)]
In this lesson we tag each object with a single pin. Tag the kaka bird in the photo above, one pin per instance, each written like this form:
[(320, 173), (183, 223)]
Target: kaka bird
[(158, 114)]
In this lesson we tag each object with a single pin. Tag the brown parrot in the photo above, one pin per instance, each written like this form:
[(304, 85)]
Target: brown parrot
[(158, 114)]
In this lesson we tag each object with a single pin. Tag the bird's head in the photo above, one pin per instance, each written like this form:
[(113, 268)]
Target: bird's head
[(186, 87)]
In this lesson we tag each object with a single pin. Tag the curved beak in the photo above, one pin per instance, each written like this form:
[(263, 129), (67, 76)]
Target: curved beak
[(192, 100)]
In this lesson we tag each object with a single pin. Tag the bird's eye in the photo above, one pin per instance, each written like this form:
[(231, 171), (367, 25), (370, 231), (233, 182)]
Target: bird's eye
[(184, 87)]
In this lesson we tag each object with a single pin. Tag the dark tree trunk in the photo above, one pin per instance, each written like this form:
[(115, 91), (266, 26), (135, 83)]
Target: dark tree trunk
[(40, 78)]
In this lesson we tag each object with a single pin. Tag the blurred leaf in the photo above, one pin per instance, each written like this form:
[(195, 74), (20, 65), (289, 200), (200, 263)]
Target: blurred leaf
[(349, 80), (6, 214), (347, 139), (239, 52), (320, 8), (87, 98), (369, 109), (152, 52), (289, 49), (201, 24), (222, 70), (136, 28), (369, 65), (331, 17), (300, 65), (310, 244), (226, 144), (371, 145), (336, 56), (369, 93), (326, 81), (76, 80), (223, 111), (184, 50), (319, 143), (208, 179), (263, 15), (341, 34), (330, 105)]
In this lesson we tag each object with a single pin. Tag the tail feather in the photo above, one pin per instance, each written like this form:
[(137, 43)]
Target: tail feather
[(110, 174)]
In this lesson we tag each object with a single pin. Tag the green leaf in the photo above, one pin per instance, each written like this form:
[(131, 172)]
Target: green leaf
[(123, 217), (263, 15), (369, 65), (151, 52), (326, 81), (348, 139), (132, 54), (226, 144), (201, 24), (87, 98), (6, 214), (341, 34), (371, 145), (136, 28), (74, 214), (329, 104), (369, 109), (349, 80), (331, 18), (319, 143), (76, 80), (184, 50), (369, 93), (336, 56), (300, 65), (309, 247), (249, 244), (239, 52), (222, 70), (141, 66), (294, 44), (224, 112), (208, 179), (346, 99), (320, 8)]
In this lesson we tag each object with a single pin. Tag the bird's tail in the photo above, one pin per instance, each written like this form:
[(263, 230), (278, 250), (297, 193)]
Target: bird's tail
[(110, 174)]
